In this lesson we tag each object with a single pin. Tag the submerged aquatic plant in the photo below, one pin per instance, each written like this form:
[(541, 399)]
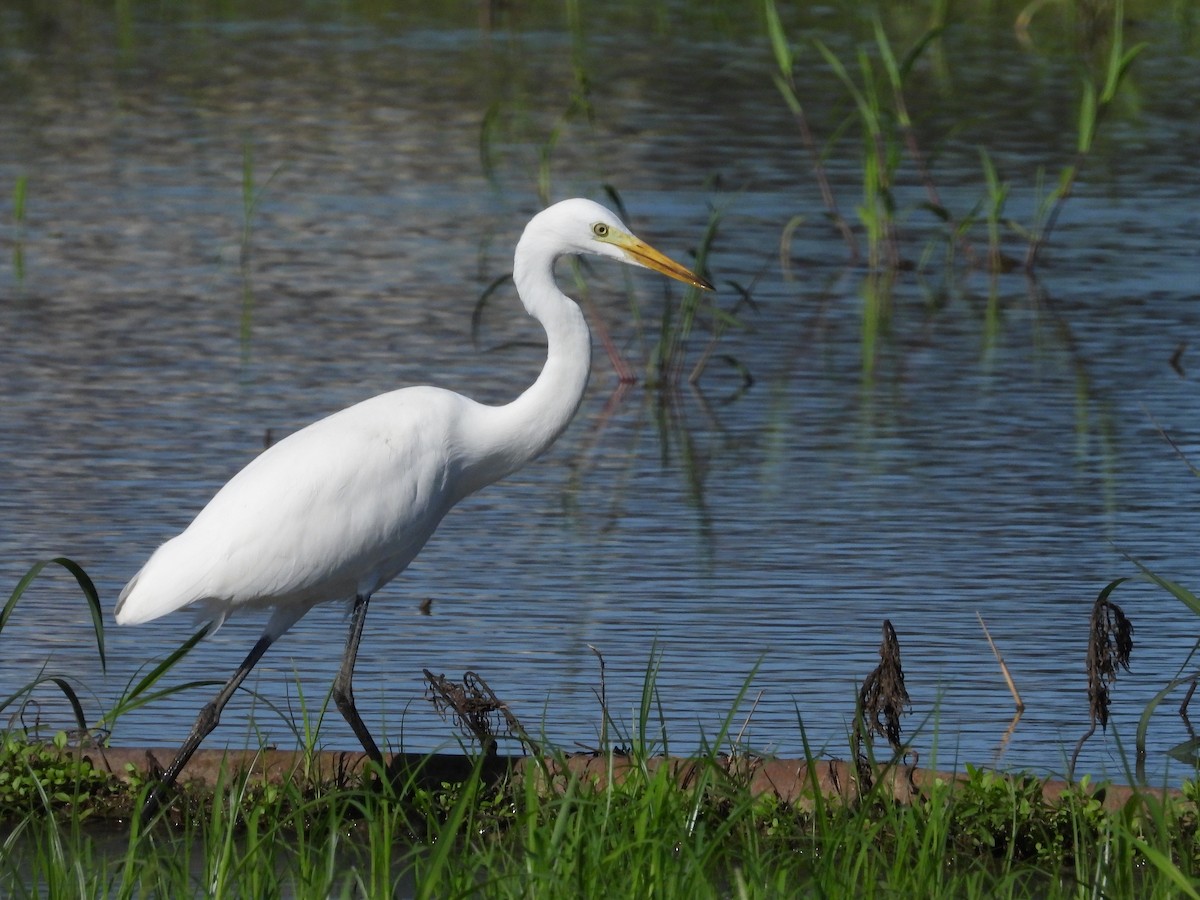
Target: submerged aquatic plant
[(875, 83), (886, 130), (1096, 100), (785, 81)]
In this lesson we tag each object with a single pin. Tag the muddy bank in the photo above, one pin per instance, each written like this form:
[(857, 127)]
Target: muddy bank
[(790, 780)]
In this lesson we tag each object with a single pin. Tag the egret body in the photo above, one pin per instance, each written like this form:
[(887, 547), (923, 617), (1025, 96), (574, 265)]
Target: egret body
[(338, 509)]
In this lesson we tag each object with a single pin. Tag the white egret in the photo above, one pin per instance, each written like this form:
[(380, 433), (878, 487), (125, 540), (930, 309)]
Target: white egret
[(341, 507)]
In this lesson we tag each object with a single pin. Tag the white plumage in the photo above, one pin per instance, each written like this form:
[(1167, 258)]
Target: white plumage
[(330, 512)]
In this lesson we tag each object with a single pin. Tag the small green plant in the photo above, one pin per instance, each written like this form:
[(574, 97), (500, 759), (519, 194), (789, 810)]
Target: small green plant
[(997, 196), (996, 814), (37, 776)]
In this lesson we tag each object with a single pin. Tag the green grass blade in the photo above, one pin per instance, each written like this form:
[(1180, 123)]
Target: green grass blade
[(618, 202), (20, 190), (789, 95), (85, 584), (62, 684), (1087, 118), (448, 840), (18, 591), (144, 698), (989, 171), (488, 131), (93, 598), (779, 42), (73, 699), (1188, 599), (1163, 864), (914, 53), (1143, 728), (1119, 59), (130, 700), (1176, 590), (843, 75), (482, 302), (887, 57)]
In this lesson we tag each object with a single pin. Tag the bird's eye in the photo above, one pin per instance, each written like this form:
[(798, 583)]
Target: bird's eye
[(600, 230)]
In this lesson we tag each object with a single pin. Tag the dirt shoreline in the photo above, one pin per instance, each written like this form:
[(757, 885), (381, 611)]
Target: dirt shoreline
[(790, 780)]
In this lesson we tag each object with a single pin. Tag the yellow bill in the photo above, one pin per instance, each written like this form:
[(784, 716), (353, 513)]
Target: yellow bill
[(645, 255)]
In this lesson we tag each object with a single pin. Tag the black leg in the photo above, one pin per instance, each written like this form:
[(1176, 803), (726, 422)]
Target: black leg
[(343, 689), (205, 723)]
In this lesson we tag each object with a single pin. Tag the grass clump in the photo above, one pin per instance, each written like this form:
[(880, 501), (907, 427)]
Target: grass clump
[(690, 828), (987, 836)]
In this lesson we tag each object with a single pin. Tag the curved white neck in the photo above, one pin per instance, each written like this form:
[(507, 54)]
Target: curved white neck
[(524, 428)]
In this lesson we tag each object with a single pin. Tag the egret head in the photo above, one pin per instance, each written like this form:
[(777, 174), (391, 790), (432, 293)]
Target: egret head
[(581, 226)]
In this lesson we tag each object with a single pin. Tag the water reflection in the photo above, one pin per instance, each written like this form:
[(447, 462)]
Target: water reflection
[(920, 452)]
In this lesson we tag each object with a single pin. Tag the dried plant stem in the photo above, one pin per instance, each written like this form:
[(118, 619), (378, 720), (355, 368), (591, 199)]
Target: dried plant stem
[(476, 709), (882, 699), (602, 696), (1008, 679), (1110, 643), (750, 715)]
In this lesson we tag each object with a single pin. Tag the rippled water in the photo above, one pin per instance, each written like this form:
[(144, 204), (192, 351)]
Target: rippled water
[(998, 462)]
